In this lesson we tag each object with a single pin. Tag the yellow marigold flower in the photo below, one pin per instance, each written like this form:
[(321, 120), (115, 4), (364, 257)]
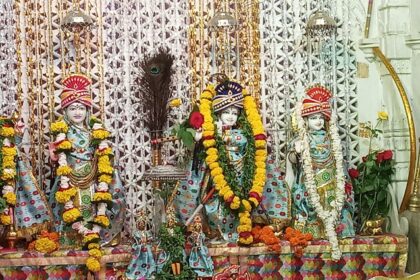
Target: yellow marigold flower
[(93, 246), (246, 241), (382, 115), (64, 145), (105, 178), (10, 198), (104, 159), (102, 220), (208, 133), (258, 130), (227, 195), (244, 220), (260, 164), (208, 126), (260, 144), (64, 170), (211, 159), (244, 214), (214, 165), (175, 102), (254, 201), (93, 264), (257, 189), (104, 152), (59, 127), (102, 196), (5, 219), (8, 162), (70, 216), (45, 245), (246, 205), (220, 185), (8, 174), (242, 228), (105, 168), (218, 179), (216, 171), (9, 151), (95, 252), (209, 143), (236, 203), (100, 134), (205, 105), (211, 151), (260, 158), (64, 195), (261, 153), (224, 190), (206, 94), (7, 131), (90, 238)]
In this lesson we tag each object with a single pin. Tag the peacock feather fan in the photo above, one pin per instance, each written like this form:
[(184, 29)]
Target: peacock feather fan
[(154, 83)]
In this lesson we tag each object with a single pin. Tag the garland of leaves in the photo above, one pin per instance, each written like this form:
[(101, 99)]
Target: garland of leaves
[(7, 170), (66, 192)]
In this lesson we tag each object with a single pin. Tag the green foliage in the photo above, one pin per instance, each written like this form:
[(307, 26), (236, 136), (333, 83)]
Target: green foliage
[(173, 245), (184, 132), (2, 204), (370, 182)]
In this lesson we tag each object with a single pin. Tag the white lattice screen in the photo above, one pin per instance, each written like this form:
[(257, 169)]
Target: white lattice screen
[(127, 30)]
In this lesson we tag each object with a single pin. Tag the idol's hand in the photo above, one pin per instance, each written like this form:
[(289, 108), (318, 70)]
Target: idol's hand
[(219, 126), (198, 134), (52, 147)]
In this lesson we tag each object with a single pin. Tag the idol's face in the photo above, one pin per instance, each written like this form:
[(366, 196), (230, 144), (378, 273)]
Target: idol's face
[(229, 116), (316, 122), (76, 113)]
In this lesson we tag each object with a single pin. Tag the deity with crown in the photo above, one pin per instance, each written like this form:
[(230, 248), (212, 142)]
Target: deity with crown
[(235, 180), (87, 196), (323, 202)]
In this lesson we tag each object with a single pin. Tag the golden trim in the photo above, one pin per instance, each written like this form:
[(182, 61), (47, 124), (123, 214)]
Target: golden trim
[(409, 115), (124, 257)]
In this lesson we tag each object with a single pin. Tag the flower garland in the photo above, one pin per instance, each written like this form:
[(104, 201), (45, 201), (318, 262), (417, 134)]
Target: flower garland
[(66, 192), (233, 198), (47, 242), (267, 236), (298, 240), (328, 217), (8, 169)]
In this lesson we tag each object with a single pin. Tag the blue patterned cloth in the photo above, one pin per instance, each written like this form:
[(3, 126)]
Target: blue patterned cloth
[(142, 264), (32, 212), (199, 259), (304, 216), (81, 159)]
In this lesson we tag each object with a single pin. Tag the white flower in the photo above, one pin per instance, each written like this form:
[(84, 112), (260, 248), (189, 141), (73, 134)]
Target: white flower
[(97, 126), (96, 228), (101, 209), (103, 145), (7, 189), (62, 159), (69, 205), (6, 142), (102, 186), (60, 137)]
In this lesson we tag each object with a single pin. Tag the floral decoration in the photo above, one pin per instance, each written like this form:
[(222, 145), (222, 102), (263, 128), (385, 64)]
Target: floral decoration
[(66, 192), (47, 242), (266, 235), (328, 217), (233, 195), (298, 240), (7, 170)]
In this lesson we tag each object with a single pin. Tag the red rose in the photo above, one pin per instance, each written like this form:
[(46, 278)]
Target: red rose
[(255, 195), (387, 155), (230, 199), (347, 188), (354, 173), (379, 158), (196, 120)]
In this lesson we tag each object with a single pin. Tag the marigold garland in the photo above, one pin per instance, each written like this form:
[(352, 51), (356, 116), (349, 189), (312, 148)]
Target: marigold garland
[(235, 201), (8, 168), (298, 240), (266, 235), (66, 192)]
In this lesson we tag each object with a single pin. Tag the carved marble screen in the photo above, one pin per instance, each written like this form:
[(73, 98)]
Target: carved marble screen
[(35, 54)]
